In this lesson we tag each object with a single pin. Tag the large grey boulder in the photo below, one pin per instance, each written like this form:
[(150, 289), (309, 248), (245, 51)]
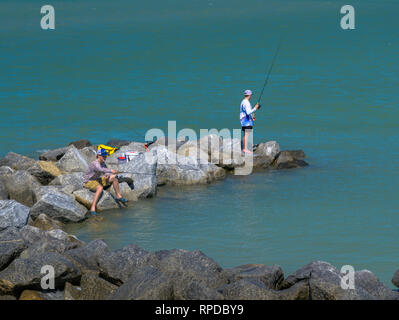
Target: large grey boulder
[(254, 289), (20, 187), (95, 288), (230, 154), (72, 161), (290, 159), (147, 283), (173, 143), (54, 155), (366, 281), (70, 182), (126, 192), (118, 143), (80, 144), (142, 169), (106, 202), (178, 170), (130, 147), (45, 223), (89, 154), (191, 149), (193, 290), (44, 177), (117, 266), (5, 170), (325, 283), (183, 266), (265, 153), (11, 245), (59, 206), (395, 278), (3, 191), (270, 276), (26, 273), (13, 214), (86, 258), (17, 161), (40, 241)]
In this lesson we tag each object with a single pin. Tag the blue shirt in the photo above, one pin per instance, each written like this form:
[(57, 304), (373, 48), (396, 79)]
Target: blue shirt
[(246, 111)]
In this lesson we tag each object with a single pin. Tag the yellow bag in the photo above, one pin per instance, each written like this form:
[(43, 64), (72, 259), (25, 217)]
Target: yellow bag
[(110, 150)]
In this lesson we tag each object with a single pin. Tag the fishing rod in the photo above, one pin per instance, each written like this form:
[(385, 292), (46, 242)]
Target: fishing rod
[(269, 72)]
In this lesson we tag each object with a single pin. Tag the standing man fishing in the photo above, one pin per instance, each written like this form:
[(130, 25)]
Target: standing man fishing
[(247, 119), (247, 112)]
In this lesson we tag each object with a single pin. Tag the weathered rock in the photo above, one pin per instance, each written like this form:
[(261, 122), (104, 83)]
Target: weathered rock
[(71, 292), (142, 169), (117, 143), (192, 290), (70, 182), (173, 143), (288, 160), (265, 153), (126, 192), (45, 223), (395, 278), (24, 274), (131, 147), (59, 206), (325, 282), (95, 288), (89, 154), (17, 161), (117, 266), (72, 161), (4, 170), (86, 197), (13, 214), (42, 176), (53, 295), (147, 283), (192, 150), (80, 144), (31, 295), (11, 245), (7, 297), (54, 155), (39, 241), (49, 167), (367, 281), (177, 170), (183, 266), (271, 276), (86, 257), (3, 192), (211, 144), (254, 289), (230, 155), (20, 187)]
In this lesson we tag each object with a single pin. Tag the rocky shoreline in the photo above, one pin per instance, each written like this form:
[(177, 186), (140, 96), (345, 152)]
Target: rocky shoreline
[(38, 197)]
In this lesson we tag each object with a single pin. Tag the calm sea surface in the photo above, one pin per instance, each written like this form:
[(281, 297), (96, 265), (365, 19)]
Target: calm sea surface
[(114, 69)]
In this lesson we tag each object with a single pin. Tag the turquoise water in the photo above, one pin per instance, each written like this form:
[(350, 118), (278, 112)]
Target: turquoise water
[(116, 69)]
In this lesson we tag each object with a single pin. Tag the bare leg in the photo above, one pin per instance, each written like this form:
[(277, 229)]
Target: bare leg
[(99, 190), (115, 184), (245, 142)]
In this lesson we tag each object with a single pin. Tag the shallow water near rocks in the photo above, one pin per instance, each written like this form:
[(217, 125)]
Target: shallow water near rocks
[(115, 72)]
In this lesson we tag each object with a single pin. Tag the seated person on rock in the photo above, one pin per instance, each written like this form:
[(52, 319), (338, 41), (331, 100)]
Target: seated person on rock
[(98, 177)]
